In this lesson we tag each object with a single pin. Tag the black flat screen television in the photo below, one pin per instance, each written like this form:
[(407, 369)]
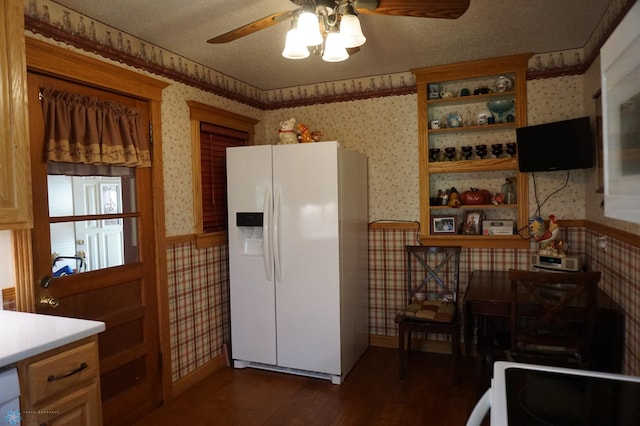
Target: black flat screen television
[(561, 145)]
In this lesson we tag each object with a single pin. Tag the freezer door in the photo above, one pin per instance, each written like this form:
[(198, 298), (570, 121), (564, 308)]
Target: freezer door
[(252, 299), (306, 229)]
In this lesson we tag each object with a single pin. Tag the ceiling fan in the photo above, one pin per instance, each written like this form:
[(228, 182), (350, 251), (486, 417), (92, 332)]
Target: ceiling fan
[(445, 9)]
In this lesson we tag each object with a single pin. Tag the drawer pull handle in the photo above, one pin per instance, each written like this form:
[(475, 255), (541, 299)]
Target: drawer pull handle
[(83, 366)]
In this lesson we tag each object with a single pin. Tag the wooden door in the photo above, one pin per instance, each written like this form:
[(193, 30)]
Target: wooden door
[(124, 296)]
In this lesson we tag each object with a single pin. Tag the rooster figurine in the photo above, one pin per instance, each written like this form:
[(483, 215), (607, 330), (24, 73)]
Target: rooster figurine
[(542, 233), (547, 237)]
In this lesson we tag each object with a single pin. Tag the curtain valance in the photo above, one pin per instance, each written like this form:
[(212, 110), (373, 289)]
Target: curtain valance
[(87, 130)]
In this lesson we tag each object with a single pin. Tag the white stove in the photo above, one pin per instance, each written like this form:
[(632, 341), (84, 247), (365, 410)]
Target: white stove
[(531, 395)]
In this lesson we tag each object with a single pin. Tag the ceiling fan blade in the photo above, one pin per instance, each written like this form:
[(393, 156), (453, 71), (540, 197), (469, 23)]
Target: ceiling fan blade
[(253, 27), (446, 9)]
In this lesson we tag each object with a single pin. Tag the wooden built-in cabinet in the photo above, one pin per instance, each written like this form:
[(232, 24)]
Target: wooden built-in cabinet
[(62, 386), (488, 173), (15, 176)]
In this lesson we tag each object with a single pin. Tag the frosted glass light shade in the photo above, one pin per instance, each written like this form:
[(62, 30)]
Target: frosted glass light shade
[(334, 50), (351, 31), (293, 46), (309, 29)]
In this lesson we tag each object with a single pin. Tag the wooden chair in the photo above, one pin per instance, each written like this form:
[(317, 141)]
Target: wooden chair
[(432, 303), (552, 317)]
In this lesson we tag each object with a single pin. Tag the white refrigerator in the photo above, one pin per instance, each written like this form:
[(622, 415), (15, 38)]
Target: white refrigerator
[(298, 258)]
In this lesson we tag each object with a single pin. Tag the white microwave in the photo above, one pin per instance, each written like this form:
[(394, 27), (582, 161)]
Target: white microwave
[(620, 72), (526, 394)]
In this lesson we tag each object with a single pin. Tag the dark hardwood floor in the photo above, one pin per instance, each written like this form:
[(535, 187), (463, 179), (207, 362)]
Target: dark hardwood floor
[(372, 394)]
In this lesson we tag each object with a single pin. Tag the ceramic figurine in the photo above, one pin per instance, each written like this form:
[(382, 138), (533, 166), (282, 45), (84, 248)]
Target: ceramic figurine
[(548, 237), (287, 131), (304, 135)]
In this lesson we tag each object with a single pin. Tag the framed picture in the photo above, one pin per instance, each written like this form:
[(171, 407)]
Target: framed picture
[(444, 224), (434, 91), (472, 224)]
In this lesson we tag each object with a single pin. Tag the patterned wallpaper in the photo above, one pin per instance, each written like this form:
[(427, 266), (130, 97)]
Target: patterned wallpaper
[(550, 100), (618, 263), (176, 150), (384, 128)]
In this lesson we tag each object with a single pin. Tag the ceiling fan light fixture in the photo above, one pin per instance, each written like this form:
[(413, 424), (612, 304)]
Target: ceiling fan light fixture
[(350, 28), (334, 49), (309, 29), (293, 46)]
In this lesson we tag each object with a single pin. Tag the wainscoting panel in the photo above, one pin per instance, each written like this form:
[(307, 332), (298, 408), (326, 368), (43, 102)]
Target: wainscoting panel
[(199, 289), (387, 285), (198, 305), (619, 263)]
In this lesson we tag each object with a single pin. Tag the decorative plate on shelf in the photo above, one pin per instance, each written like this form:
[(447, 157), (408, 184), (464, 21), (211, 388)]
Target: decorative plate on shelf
[(454, 120), (503, 84)]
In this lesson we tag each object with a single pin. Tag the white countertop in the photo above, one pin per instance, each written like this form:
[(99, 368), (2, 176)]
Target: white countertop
[(23, 334)]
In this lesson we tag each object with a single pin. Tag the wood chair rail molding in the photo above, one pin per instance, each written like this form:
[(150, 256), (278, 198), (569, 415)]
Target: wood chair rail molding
[(618, 234), (615, 233), (397, 225)]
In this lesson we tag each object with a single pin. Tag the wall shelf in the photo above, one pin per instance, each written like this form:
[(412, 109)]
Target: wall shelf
[(463, 100), (465, 129), (455, 76), (465, 166), (476, 207)]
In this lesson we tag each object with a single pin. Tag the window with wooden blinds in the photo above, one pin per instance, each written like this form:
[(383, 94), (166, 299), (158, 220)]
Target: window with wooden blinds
[(214, 140)]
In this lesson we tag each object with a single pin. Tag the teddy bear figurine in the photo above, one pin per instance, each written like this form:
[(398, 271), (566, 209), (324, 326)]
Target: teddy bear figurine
[(287, 132)]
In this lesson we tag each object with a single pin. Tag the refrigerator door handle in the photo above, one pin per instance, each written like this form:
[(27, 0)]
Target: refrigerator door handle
[(266, 235), (276, 236)]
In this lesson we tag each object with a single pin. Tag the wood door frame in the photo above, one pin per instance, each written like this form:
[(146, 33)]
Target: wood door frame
[(51, 60)]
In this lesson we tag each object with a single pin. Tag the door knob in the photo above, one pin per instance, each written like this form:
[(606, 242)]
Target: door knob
[(51, 302), (46, 281)]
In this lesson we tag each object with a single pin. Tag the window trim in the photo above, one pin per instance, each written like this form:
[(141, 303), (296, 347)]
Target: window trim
[(200, 112)]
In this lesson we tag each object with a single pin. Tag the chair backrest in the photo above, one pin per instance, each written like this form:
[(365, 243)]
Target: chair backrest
[(553, 309), (441, 266)]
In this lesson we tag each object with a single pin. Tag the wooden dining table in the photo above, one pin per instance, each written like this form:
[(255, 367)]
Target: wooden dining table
[(486, 307)]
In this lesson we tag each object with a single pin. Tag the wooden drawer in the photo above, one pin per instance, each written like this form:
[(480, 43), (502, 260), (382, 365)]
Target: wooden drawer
[(61, 371), (76, 408)]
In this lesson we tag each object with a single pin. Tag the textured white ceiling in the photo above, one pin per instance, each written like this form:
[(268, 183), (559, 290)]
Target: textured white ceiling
[(394, 44)]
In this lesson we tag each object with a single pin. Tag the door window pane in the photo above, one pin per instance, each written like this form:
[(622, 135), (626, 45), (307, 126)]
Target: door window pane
[(93, 218), (90, 245)]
